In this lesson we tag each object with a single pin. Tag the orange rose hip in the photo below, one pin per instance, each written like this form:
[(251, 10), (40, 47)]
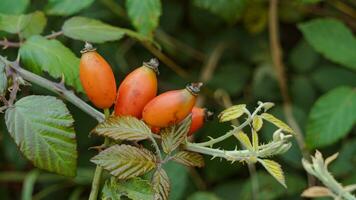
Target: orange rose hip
[(97, 78), (171, 107), (137, 89), (199, 116)]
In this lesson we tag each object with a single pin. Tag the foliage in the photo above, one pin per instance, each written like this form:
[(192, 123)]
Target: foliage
[(299, 54)]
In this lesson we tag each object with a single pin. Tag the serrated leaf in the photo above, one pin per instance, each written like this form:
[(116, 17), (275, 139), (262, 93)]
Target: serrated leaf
[(91, 30), (42, 128), (274, 169), (175, 135), (331, 117), (229, 10), (144, 15), (189, 159), (277, 122), (13, 7), (66, 7), (125, 161), (317, 191), (245, 141), (332, 39), (135, 189), (25, 25), (257, 123), (40, 54), (123, 128), (231, 113), (161, 184)]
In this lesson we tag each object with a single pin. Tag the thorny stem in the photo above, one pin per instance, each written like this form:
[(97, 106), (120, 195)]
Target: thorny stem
[(277, 58), (235, 130), (57, 88), (98, 170)]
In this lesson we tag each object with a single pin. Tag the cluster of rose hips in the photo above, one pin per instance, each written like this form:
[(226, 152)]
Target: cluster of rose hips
[(137, 94)]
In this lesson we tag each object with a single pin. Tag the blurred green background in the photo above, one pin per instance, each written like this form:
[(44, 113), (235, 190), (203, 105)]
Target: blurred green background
[(226, 44)]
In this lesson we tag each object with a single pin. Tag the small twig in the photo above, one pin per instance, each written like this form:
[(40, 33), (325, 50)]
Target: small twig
[(54, 35), (166, 60), (343, 7), (5, 44), (179, 45), (277, 55), (209, 68), (98, 170)]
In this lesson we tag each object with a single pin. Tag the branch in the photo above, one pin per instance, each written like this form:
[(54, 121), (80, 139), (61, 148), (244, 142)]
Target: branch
[(277, 58), (319, 168), (54, 35), (57, 88), (5, 43)]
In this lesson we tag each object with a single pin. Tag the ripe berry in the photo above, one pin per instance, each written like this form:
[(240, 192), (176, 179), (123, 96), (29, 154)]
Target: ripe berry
[(97, 78), (199, 116), (137, 89), (171, 107)]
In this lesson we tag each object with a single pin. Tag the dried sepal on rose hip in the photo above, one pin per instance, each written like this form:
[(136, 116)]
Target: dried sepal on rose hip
[(97, 78), (137, 89), (199, 117), (171, 107)]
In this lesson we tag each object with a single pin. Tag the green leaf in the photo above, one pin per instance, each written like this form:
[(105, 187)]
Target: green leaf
[(331, 38), (189, 159), (232, 113), (270, 118), (175, 135), (125, 161), (144, 15), (245, 141), (3, 79), (340, 77), (123, 128), (303, 57), (161, 184), (26, 25), (135, 189), (40, 54), (42, 129), (13, 6), (91, 30), (229, 10), (310, 1), (274, 169), (66, 7), (331, 117)]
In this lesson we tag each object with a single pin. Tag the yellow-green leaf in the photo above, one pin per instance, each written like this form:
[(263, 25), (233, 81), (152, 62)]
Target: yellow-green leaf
[(189, 159), (277, 122), (125, 161), (255, 140), (245, 141), (257, 123), (161, 184), (274, 169), (231, 113), (123, 128)]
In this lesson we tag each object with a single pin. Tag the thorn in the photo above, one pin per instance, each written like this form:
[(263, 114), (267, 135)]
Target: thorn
[(62, 79), (213, 157)]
